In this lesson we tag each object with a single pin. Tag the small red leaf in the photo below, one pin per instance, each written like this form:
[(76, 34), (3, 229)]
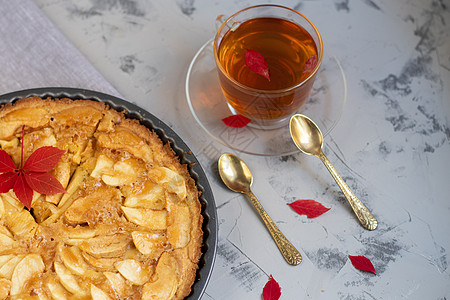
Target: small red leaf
[(271, 290), (7, 181), (23, 192), (256, 62), (43, 159), (362, 263), (309, 208), (44, 183), (310, 64), (236, 121), (6, 162)]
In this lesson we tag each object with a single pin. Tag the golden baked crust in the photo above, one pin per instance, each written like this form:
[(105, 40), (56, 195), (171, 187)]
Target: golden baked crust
[(129, 226)]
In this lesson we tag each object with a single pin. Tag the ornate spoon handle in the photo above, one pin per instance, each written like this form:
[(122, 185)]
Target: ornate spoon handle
[(365, 217), (290, 254)]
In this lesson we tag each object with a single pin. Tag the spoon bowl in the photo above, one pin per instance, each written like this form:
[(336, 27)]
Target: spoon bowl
[(235, 173), (237, 177), (308, 138), (306, 135)]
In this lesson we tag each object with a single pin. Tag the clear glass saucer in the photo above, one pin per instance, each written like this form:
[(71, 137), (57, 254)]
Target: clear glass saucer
[(209, 107)]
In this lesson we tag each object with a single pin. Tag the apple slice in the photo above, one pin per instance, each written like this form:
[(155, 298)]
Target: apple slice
[(68, 280), (152, 245), (98, 294), (153, 219), (29, 267), (166, 283), (106, 246), (133, 271), (72, 259)]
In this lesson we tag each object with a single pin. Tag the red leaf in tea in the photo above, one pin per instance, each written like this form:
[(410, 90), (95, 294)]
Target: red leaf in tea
[(236, 121), (32, 175), (310, 208), (271, 290), (362, 263), (256, 62), (310, 64)]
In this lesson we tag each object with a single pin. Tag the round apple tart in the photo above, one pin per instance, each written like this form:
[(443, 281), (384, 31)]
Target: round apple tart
[(128, 225)]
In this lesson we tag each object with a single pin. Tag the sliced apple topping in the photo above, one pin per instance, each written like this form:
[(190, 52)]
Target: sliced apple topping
[(7, 269), (21, 223), (124, 139), (122, 173), (106, 246), (134, 271), (5, 287), (5, 258), (14, 142), (117, 283), (103, 264), (72, 259), (170, 179), (57, 291), (151, 195), (29, 267), (165, 280), (98, 294), (6, 240), (151, 244), (30, 116), (153, 219), (68, 280), (89, 210), (103, 164), (179, 227)]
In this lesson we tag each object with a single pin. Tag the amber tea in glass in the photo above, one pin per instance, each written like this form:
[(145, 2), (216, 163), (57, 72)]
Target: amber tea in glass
[(293, 50)]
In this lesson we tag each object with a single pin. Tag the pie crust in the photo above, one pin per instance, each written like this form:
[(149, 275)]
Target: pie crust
[(129, 225)]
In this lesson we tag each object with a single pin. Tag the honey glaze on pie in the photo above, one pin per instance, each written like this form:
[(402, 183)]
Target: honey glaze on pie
[(129, 226)]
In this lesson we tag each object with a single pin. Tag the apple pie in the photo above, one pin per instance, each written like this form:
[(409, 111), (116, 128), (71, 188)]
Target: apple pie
[(129, 224)]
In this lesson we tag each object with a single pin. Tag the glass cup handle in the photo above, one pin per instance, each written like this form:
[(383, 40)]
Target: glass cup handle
[(220, 20)]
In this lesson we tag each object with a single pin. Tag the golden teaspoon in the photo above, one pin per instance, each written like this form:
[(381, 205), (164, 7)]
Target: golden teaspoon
[(308, 138), (238, 178)]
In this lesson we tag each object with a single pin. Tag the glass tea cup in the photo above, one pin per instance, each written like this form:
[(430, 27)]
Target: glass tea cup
[(292, 52)]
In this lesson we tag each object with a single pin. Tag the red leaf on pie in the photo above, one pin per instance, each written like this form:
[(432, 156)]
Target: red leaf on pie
[(6, 162), (23, 192), (362, 263), (31, 176), (271, 290), (236, 121), (44, 183), (310, 64), (43, 159), (7, 181), (310, 208), (256, 62)]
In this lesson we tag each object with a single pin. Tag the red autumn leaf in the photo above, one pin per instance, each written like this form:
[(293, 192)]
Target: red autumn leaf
[(310, 64), (362, 263), (6, 163), (256, 62), (7, 181), (32, 175), (44, 183), (236, 121), (310, 208), (43, 159), (271, 290), (23, 191)]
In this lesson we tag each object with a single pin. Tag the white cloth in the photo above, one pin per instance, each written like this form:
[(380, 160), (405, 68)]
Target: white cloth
[(34, 53)]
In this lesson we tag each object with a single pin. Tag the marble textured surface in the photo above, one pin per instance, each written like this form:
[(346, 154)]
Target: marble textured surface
[(392, 144)]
